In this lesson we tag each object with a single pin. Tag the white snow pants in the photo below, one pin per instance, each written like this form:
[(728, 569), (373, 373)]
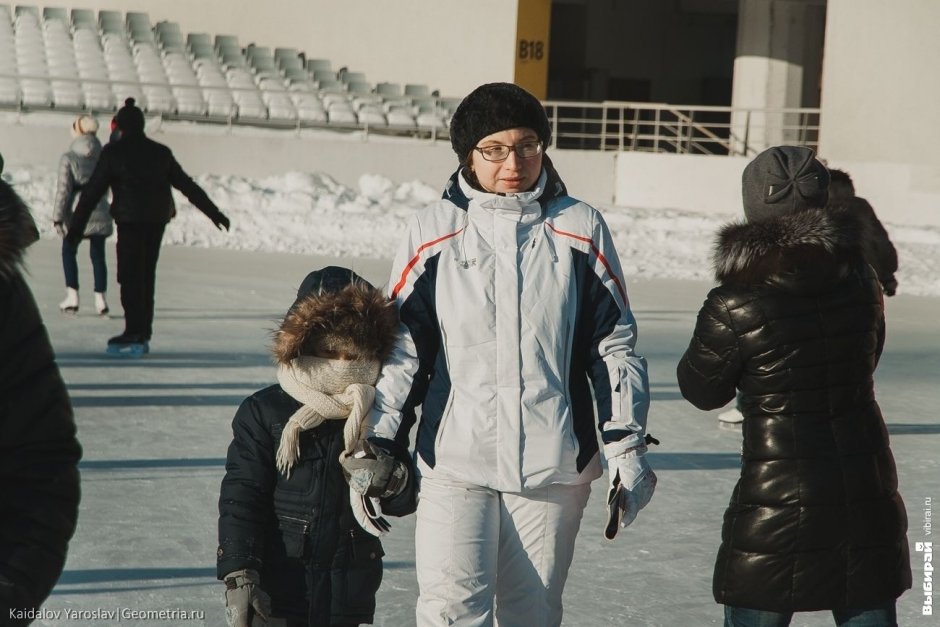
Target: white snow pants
[(473, 544)]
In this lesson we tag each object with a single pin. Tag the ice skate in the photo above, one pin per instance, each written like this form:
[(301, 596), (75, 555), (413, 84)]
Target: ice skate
[(101, 305), (70, 304), (128, 346)]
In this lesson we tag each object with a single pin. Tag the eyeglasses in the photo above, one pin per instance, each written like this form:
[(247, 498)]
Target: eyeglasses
[(498, 152)]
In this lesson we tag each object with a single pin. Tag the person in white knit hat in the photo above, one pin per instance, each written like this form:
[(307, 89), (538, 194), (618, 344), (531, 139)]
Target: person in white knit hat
[(75, 168), (296, 545)]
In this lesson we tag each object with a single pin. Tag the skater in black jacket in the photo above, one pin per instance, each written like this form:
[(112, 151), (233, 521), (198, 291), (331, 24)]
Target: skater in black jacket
[(296, 545), (39, 452), (876, 245), (140, 173), (797, 325)]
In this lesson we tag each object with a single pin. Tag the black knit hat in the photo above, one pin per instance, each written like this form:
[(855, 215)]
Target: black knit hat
[(492, 108), (130, 119), (783, 180)]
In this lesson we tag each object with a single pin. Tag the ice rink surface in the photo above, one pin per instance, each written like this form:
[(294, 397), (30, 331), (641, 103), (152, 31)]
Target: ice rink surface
[(155, 432)]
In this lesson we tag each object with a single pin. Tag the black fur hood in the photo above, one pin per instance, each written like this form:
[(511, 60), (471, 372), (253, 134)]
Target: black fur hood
[(803, 252), (17, 229)]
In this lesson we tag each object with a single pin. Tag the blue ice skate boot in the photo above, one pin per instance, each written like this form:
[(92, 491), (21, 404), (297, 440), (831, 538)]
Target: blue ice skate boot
[(128, 345)]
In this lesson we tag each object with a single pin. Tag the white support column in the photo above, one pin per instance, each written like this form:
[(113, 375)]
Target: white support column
[(774, 48)]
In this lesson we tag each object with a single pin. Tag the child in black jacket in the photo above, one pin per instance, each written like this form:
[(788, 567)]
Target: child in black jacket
[(296, 545)]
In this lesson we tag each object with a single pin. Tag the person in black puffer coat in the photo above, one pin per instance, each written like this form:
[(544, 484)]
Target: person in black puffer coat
[(140, 173), (39, 452), (295, 544), (797, 325), (876, 245)]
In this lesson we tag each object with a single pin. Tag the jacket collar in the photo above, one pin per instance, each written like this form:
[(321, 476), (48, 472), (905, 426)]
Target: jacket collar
[(549, 186)]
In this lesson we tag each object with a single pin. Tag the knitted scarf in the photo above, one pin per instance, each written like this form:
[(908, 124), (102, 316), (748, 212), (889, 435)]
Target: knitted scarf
[(329, 389)]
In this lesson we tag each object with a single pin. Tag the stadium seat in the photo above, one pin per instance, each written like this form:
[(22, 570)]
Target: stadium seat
[(400, 117), (79, 59), (318, 64), (417, 91), (84, 18), (55, 13), (9, 92), (388, 89), (372, 115)]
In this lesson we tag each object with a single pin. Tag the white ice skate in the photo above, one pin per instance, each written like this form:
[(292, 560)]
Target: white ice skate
[(70, 304)]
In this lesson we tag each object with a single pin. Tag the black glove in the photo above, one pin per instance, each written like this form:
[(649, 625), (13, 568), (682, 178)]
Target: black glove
[(373, 471), (221, 222), (73, 237), (890, 286)]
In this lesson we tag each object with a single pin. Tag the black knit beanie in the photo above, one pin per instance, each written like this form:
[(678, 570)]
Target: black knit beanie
[(492, 108), (130, 119), (784, 180)]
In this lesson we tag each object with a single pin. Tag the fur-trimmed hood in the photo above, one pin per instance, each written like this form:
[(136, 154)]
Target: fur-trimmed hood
[(17, 229), (802, 252), (339, 311)]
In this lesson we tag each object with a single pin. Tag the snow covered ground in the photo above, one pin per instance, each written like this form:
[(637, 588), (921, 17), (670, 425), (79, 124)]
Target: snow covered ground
[(155, 430), (311, 213)]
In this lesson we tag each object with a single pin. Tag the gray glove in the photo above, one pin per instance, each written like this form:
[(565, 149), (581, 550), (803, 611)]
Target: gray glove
[(374, 472), (245, 601), (59, 228), (631, 482)]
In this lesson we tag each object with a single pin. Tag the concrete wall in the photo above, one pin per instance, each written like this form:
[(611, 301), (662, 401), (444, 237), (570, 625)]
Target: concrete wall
[(632, 179), (880, 84), (692, 182), (880, 92), (449, 45)]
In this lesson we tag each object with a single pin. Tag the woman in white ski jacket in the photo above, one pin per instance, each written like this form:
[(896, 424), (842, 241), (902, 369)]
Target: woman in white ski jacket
[(514, 309)]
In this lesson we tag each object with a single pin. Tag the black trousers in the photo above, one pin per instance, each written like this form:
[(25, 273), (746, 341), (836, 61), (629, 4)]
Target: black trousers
[(138, 248)]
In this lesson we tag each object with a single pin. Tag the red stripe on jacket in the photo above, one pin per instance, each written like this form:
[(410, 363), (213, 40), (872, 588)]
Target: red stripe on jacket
[(598, 254), (414, 260)]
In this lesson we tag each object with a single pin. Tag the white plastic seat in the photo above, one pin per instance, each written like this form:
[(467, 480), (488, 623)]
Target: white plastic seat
[(9, 92), (67, 95), (36, 93), (388, 89), (430, 120), (340, 115), (318, 64), (400, 117), (372, 115), (83, 18)]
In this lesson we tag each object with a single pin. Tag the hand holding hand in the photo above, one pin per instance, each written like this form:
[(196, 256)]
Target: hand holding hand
[(373, 471), (244, 599), (60, 229), (631, 483)]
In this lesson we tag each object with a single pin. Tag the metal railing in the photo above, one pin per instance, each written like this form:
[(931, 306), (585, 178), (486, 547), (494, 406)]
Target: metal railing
[(681, 129), (606, 126)]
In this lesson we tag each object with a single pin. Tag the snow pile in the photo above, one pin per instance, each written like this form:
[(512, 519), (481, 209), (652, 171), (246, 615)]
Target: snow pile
[(311, 213)]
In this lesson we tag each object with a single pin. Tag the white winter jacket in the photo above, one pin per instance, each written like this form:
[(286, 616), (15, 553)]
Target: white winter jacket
[(75, 168), (513, 310)]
